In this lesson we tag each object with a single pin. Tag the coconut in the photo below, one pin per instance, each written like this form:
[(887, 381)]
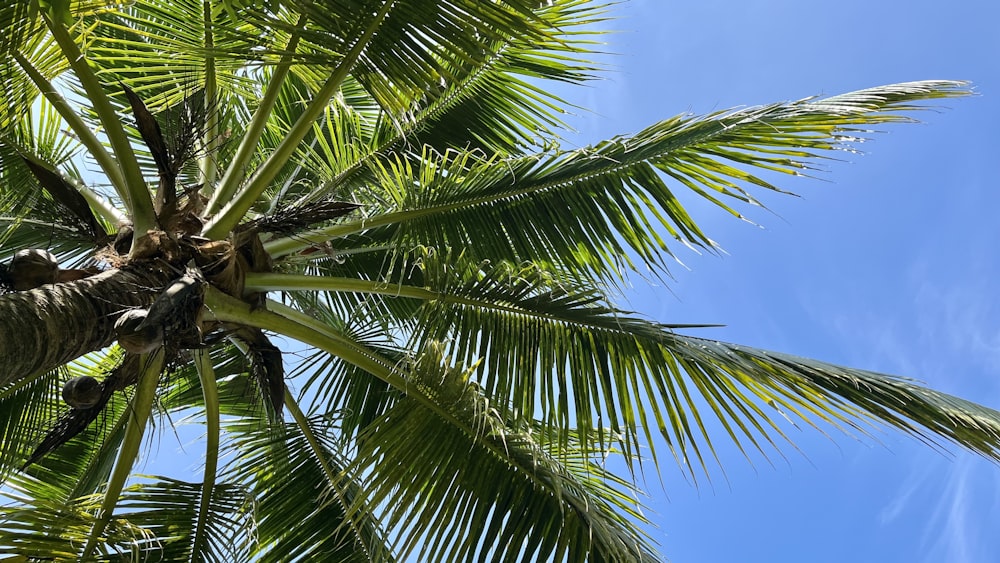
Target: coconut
[(31, 268), (135, 338), (82, 392)]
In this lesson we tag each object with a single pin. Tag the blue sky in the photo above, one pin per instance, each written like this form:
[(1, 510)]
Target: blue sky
[(888, 263)]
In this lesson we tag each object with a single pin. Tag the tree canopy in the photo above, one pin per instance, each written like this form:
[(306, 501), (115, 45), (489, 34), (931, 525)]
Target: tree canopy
[(192, 190)]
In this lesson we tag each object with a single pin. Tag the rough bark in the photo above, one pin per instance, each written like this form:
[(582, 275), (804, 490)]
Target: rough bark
[(46, 327)]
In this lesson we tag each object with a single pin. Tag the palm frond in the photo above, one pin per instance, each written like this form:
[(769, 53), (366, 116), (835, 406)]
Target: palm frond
[(301, 513), (395, 50), (26, 408), (810, 388), (167, 509), (130, 183), (497, 104), (551, 350), (163, 49), (591, 209), (40, 180), (44, 527), (413, 47), (239, 396), (84, 462), (20, 20), (494, 493), (155, 524)]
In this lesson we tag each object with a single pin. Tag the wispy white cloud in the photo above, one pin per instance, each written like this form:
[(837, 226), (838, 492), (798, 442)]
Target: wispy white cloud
[(954, 531), (913, 483), (962, 314)]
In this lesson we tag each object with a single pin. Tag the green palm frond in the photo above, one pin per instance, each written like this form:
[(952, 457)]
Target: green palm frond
[(497, 104), (397, 52), (811, 389), (40, 526), (592, 208), (480, 486), (33, 151), (300, 511), (27, 409), (411, 47), (164, 50), (506, 103), (166, 509), (154, 526), (239, 396), (41, 195), (17, 18), (550, 350)]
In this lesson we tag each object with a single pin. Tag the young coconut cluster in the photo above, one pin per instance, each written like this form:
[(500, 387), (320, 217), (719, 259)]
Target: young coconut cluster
[(179, 265), (34, 267), (172, 321)]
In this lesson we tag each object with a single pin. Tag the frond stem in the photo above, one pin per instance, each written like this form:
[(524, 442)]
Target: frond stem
[(134, 190), (141, 407), (207, 161), (233, 212), (332, 478), (210, 391), (244, 153), (294, 324)]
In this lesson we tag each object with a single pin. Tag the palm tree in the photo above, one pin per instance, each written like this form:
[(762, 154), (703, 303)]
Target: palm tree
[(192, 190)]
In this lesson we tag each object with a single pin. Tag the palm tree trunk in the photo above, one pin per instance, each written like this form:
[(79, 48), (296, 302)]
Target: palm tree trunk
[(46, 327)]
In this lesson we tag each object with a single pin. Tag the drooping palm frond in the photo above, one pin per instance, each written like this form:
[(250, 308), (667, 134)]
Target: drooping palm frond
[(41, 526), (814, 389), (479, 485), (167, 509), (26, 410), (34, 189), (84, 461), (155, 525), (549, 349), (304, 517), (339, 390)]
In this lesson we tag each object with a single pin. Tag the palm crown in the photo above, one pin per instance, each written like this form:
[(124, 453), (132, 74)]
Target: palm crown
[(380, 181)]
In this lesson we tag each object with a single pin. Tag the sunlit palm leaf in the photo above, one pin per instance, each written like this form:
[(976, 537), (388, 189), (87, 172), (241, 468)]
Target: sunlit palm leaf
[(161, 49), (304, 517), (41, 526), (166, 509), (591, 209), (497, 104), (479, 486)]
